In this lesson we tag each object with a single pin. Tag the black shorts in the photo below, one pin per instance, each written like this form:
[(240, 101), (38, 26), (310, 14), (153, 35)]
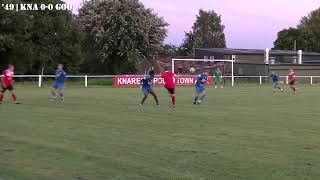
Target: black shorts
[(171, 90), (10, 88), (292, 83)]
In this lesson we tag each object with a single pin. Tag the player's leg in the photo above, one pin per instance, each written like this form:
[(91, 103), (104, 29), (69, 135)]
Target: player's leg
[(54, 91), (277, 86), (13, 95), (173, 99), (60, 91), (172, 95), (145, 96), (198, 93), (196, 98), (53, 94), (292, 86), (220, 81), (203, 95), (2, 90), (155, 97), (215, 82)]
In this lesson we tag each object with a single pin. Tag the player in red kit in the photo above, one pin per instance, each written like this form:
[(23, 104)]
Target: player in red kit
[(292, 80), (169, 80), (7, 84)]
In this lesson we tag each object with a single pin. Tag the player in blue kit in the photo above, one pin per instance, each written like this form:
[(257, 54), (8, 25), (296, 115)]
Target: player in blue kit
[(147, 89), (276, 81), (58, 85), (201, 93)]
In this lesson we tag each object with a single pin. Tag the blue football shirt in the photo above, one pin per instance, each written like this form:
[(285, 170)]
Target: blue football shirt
[(201, 79), (61, 76)]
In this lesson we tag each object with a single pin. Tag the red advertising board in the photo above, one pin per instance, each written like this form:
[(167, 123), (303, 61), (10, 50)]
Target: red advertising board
[(134, 81)]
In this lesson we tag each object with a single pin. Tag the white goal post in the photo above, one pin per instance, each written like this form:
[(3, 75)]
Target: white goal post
[(208, 60)]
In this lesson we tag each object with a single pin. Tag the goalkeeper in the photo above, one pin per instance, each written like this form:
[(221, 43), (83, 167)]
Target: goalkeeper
[(217, 78)]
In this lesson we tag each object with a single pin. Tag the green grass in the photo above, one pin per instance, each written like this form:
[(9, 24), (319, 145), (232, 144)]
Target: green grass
[(242, 133)]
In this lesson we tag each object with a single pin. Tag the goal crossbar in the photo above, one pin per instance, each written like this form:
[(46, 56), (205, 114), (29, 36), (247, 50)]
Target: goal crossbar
[(209, 60), (204, 60)]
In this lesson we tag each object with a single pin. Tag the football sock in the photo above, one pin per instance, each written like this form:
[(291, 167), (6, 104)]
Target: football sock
[(143, 99), (156, 99), (196, 98), (1, 97), (61, 93), (173, 99), (202, 97), (14, 97)]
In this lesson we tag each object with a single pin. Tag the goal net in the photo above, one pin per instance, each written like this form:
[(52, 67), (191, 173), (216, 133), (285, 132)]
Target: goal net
[(196, 66)]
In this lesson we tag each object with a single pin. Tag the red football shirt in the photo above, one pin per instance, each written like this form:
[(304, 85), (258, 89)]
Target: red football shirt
[(7, 77), (169, 79), (292, 76)]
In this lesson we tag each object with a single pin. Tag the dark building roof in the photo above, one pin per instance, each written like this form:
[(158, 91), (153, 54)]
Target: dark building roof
[(229, 51)]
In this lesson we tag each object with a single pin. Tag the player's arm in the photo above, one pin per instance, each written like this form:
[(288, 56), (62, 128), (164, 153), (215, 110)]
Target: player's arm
[(65, 77), (2, 81), (141, 82), (204, 80), (57, 74), (148, 80), (162, 65), (176, 78)]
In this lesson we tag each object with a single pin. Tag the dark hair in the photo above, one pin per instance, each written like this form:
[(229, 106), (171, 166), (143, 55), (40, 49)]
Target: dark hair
[(166, 68)]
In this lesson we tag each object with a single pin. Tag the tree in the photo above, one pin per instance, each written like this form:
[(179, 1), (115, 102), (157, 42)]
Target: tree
[(207, 32), (14, 32), (286, 39), (123, 33), (187, 46), (307, 34), (169, 49), (33, 40)]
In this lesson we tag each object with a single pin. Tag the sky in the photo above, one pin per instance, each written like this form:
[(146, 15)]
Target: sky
[(248, 23)]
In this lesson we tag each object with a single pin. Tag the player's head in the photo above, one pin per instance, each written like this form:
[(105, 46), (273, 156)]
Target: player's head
[(273, 73), (11, 67), (291, 70), (60, 66), (166, 68)]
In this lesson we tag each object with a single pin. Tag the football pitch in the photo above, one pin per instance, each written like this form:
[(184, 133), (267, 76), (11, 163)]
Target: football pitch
[(99, 133)]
